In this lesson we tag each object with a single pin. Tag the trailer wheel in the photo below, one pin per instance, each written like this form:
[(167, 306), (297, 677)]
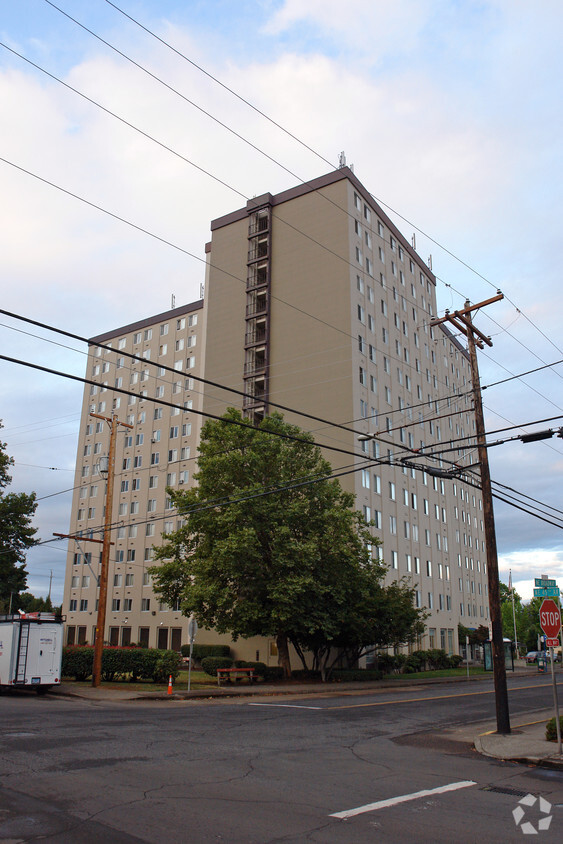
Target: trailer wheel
[(42, 690)]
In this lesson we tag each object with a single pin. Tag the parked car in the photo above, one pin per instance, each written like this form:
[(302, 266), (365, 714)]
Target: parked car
[(532, 656)]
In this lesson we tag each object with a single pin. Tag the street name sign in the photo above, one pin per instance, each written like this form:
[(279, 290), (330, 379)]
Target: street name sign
[(547, 592), (544, 581)]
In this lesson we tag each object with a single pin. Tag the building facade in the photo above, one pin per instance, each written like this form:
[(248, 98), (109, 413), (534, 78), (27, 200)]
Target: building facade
[(316, 304)]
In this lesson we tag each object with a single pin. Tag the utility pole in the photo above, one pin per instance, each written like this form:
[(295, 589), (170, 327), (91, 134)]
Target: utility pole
[(462, 321), (108, 471)]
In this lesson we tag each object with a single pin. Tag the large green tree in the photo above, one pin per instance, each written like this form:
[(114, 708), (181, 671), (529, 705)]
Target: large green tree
[(271, 545), (16, 534)]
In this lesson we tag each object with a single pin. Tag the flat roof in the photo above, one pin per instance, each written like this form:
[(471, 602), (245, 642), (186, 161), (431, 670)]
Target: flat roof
[(145, 323)]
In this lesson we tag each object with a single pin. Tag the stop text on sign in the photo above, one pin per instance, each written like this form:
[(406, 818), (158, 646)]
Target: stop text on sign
[(550, 618)]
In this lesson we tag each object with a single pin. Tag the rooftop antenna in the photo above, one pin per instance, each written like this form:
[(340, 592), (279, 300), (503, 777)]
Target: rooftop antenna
[(173, 302), (430, 262), (201, 290), (413, 241), (342, 160)]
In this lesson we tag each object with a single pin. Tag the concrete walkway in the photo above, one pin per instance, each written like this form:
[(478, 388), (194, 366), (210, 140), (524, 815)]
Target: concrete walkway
[(526, 743)]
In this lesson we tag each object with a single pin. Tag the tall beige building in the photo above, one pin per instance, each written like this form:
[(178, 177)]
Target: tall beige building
[(314, 301)]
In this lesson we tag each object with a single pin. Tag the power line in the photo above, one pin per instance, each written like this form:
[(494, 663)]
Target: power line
[(325, 160), (214, 79)]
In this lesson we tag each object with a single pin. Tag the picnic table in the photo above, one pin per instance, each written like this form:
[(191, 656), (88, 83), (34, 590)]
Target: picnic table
[(237, 673)]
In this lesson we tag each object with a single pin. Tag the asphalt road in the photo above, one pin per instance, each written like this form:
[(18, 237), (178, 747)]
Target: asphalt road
[(318, 768)]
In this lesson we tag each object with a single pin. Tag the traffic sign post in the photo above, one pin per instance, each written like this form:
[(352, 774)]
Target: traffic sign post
[(192, 632), (550, 623)]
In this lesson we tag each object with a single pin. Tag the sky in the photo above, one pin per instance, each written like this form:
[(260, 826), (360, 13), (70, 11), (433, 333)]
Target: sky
[(450, 112)]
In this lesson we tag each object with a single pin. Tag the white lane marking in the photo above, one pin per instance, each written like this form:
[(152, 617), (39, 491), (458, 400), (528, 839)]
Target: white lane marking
[(286, 705), (404, 798)]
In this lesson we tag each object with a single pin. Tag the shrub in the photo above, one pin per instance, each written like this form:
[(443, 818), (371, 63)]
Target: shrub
[(455, 660), (241, 663), (386, 663), (273, 673), (437, 658), (551, 729), (260, 668), (415, 662), (201, 651), (167, 663), (77, 662), (306, 674), (353, 675), (210, 664)]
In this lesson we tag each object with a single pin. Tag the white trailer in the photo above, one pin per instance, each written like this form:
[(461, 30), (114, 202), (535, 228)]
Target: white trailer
[(31, 651)]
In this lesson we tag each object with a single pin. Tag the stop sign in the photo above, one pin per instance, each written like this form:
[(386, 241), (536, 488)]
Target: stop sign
[(550, 618)]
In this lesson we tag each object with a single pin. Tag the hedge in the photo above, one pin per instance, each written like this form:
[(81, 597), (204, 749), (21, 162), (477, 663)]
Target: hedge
[(210, 664), (117, 663), (201, 651), (354, 675)]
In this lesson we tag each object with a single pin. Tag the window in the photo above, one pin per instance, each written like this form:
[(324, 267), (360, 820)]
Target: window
[(121, 343), (151, 505), (137, 461), (149, 529), (83, 604), (145, 604), (393, 525), (131, 555), (363, 376), (115, 605), (172, 455), (192, 320), (72, 605), (173, 432), (164, 329), (153, 481), (155, 458)]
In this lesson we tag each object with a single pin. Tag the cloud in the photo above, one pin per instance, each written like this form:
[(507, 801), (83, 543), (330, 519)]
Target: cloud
[(452, 118)]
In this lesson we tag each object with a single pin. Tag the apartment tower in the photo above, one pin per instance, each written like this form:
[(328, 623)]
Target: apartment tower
[(314, 303)]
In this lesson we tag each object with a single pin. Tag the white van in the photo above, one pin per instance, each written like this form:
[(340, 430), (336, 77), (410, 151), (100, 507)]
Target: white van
[(31, 650)]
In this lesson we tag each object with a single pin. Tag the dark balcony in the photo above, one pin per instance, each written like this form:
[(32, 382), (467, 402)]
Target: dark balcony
[(257, 306), (256, 333), (259, 224), (258, 249), (257, 276)]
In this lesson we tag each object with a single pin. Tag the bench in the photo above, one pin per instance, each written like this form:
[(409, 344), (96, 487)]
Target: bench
[(229, 673)]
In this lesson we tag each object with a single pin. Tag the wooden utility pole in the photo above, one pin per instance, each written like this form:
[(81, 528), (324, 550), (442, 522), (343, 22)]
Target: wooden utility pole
[(462, 321), (113, 423)]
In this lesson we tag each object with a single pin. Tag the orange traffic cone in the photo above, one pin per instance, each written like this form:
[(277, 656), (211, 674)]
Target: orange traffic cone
[(170, 685)]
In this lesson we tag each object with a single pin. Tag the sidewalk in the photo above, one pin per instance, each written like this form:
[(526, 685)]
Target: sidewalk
[(526, 743)]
